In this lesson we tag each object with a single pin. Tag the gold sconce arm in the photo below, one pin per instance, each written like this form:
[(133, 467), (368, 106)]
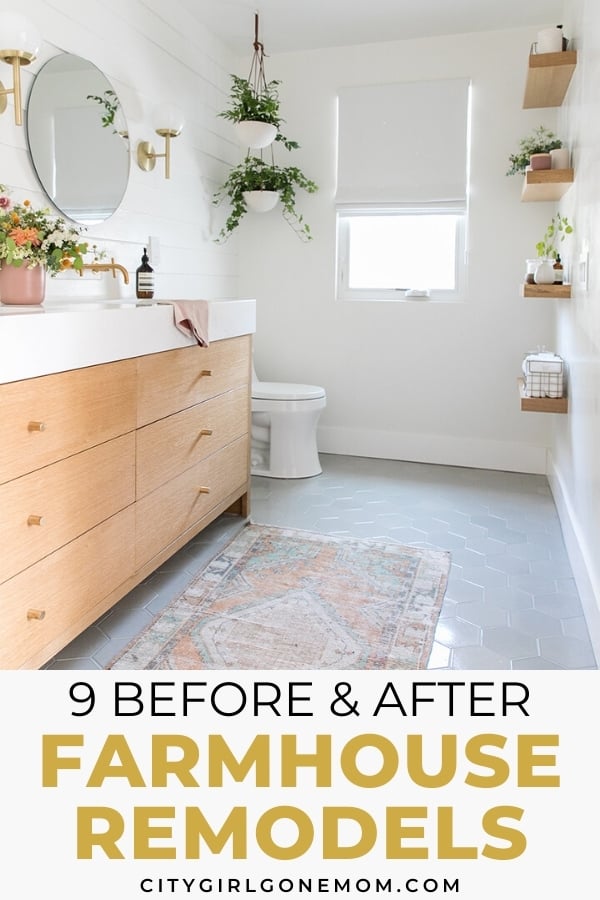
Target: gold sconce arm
[(168, 124), (146, 155)]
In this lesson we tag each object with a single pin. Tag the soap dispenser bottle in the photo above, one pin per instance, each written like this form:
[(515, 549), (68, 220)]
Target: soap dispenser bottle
[(144, 279)]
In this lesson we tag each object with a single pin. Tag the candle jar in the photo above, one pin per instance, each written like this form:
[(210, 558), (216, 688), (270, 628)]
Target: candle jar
[(530, 271)]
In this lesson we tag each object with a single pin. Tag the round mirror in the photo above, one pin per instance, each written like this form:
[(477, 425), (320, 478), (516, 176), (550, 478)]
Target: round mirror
[(78, 139)]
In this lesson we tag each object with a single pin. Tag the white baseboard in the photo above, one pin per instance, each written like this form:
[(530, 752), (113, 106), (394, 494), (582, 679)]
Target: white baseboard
[(506, 456), (585, 567)]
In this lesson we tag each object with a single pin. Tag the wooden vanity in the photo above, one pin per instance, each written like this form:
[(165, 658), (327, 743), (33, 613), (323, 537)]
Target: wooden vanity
[(105, 471)]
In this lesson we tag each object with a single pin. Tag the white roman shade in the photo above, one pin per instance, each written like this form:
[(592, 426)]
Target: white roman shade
[(403, 143)]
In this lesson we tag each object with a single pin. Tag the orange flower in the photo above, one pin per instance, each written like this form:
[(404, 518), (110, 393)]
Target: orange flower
[(25, 235), (66, 262), (26, 202)]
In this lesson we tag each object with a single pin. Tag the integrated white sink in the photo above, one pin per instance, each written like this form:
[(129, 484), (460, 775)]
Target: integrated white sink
[(71, 334)]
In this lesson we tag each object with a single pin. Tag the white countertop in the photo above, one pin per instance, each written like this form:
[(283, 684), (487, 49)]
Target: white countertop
[(61, 335)]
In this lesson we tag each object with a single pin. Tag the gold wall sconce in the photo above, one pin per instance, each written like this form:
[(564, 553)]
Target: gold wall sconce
[(168, 123), (19, 45)]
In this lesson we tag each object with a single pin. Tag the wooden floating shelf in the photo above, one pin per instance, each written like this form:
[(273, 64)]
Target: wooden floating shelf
[(542, 404), (547, 291), (548, 77), (546, 184)]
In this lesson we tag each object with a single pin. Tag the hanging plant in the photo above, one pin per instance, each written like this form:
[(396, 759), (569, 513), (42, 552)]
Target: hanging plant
[(110, 102), (247, 106), (254, 174), (254, 99), (254, 183)]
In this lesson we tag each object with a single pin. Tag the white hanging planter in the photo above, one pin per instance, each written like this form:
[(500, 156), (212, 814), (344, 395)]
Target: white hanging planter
[(255, 135), (261, 201)]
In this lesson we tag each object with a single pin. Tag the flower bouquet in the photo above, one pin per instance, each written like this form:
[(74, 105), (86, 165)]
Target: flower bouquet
[(30, 237)]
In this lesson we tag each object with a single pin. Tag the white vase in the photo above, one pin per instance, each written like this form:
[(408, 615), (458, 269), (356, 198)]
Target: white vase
[(261, 201), (559, 158), (255, 135), (544, 273)]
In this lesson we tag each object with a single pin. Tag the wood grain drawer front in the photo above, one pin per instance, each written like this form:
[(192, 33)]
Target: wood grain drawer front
[(177, 379), (169, 511), (48, 418), (42, 511), (169, 446), (44, 603)]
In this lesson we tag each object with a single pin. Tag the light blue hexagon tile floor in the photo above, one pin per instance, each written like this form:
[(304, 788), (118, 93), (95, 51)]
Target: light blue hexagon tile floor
[(511, 601)]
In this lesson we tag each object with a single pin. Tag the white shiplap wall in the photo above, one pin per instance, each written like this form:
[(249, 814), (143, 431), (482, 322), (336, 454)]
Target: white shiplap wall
[(151, 52)]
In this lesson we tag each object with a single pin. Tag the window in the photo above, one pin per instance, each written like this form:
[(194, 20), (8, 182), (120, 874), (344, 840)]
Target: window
[(384, 252), (402, 189)]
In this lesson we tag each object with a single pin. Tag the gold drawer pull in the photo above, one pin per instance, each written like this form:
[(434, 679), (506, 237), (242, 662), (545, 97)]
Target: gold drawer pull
[(205, 372), (205, 431), (35, 520), (36, 613), (36, 426), (204, 490)]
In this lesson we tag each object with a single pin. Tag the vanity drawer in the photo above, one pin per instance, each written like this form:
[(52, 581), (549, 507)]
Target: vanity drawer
[(177, 379), (48, 418), (168, 447), (48, 604), (168, 512), (42, 511)]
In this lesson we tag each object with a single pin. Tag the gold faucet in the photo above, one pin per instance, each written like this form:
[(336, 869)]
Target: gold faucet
[(112, 266)]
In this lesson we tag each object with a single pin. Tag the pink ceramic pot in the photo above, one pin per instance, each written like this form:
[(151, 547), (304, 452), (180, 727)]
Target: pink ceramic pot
[(20, 286), (540, 161)]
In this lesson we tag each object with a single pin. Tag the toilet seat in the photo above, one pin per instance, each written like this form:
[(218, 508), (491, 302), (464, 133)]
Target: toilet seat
[(275, 390)]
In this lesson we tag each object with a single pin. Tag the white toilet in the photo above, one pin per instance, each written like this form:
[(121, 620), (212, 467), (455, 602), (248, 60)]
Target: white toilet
[(284, 428)]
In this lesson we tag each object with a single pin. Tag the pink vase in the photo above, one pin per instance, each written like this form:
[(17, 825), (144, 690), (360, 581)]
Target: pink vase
[(20, 286)]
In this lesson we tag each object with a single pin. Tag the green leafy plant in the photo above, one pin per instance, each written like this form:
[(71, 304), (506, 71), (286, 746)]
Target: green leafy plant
[(249, 104), (541, 140), (110, 102), (254, 174), (556, 232), (30, 237)]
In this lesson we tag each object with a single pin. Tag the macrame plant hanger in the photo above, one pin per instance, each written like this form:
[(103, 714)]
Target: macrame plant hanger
[(256, 77)]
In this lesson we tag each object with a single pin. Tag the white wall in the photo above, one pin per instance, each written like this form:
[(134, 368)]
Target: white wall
[(411, 380), (575, 459), (151, 52)]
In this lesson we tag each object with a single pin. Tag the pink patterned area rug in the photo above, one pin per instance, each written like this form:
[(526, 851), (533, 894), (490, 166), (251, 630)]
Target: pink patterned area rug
[(278, 598)]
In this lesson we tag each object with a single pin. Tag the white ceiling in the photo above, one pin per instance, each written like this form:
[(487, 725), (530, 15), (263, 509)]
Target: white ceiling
[(288, 25)]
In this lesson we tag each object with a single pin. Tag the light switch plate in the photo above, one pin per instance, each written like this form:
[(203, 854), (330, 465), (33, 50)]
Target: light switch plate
[(154, 251), (583, 267)]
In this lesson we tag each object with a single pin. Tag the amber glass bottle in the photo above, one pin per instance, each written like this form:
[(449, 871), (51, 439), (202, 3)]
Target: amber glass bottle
[(144, 279)]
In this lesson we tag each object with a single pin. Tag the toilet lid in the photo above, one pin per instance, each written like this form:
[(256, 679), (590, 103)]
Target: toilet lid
[(275, 390)]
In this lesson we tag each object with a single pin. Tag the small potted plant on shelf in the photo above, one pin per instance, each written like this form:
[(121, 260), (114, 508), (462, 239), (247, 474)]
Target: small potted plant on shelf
[(534, 151), (255, 114), (557, 230), (256, 184)]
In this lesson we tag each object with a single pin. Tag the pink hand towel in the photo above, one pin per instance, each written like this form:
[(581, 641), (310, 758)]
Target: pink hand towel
[(191, 318)]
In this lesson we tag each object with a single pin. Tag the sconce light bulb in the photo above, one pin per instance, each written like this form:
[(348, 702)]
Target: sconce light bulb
[(168, 119), (18, 33)]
